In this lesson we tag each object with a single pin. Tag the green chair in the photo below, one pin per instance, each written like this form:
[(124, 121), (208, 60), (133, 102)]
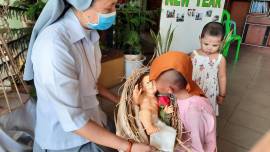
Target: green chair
[(230, 35), (226, 17)]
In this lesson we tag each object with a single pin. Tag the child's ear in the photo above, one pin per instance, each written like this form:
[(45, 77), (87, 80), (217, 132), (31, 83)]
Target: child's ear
[(154, 86), (170, 90)]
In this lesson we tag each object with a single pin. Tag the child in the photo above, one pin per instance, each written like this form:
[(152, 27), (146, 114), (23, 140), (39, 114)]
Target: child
[(209, 66), (161, 136), (172, 73), (144, 97)]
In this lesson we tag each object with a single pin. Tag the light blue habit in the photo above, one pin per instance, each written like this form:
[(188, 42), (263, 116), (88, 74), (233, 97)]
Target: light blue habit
[(52, 11)]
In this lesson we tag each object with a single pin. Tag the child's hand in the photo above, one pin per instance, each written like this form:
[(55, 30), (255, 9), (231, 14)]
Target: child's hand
[(168, 109), (152, 130), (136, 94), (220, 100)]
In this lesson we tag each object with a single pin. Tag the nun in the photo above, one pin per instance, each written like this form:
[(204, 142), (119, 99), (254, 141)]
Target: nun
[(64, 60)]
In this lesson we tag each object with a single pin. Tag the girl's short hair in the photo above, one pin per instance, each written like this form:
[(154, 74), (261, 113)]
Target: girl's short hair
[(179, 81), (174, 79), (213, 29)]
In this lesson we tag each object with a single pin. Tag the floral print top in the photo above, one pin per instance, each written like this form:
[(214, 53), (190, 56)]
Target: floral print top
[(205, 74)]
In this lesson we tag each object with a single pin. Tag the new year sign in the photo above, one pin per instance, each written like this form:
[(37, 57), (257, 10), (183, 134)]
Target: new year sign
[(188, 17)]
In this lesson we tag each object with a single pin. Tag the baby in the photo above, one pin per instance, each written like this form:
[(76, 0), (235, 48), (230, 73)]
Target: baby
[(144, 96), (161, 136)]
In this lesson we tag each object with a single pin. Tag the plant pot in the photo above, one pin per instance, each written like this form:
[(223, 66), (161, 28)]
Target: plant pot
[(132, 57), (133, 62)]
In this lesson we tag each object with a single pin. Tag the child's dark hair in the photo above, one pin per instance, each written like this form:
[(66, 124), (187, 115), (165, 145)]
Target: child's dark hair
[(139, 81), (179, 80), (213, 29), (174, 79)]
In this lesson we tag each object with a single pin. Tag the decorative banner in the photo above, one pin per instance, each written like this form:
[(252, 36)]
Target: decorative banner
[(188, 17)]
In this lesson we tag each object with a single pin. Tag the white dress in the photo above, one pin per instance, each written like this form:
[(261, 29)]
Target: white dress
[(205, 74)]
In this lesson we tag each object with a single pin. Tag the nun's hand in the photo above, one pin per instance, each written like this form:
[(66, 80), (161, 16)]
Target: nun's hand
[(168, 109)]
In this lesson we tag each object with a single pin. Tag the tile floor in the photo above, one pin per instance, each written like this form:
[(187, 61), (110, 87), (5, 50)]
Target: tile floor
[(245, 115)]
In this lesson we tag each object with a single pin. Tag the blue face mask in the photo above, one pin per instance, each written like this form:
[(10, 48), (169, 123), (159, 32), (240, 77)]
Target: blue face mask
[(105, 21)]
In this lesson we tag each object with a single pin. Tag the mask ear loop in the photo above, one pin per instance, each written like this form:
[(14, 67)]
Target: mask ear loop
[(107, 15), (98, 16), (89, 17)]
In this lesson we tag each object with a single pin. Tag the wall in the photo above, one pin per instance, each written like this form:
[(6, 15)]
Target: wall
[(188, 18), (112, 72), (239, 15), (153, 4)]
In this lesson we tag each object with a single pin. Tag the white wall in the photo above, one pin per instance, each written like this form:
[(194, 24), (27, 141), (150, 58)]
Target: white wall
[(187, 32)]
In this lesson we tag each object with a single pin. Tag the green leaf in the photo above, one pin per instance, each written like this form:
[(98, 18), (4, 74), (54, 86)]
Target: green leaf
[(160, 44), (167, 38), (154, 37), (170, 40), (132, 41), (131, 19)]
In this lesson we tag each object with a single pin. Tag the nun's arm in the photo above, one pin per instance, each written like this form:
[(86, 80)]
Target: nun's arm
[(99, 135), (103, 91)]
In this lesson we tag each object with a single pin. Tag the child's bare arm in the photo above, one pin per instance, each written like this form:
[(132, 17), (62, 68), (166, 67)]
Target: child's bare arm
[(146, 119), (136, 95), (222, 79)]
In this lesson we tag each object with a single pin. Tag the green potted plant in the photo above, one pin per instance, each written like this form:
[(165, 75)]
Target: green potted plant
[(131, 20), (163, 43)]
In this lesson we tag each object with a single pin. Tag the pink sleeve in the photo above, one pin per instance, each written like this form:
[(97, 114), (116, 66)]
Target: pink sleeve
[(202, 126)]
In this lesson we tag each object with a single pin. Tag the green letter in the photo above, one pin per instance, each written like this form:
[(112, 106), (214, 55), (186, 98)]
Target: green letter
[(205, 3), (211, 3), (198, 2), (169, 2), (176, 2), (217, 3), (185, 3)]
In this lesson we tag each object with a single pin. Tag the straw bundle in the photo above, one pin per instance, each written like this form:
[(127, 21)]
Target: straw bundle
[(128, 124), (127, 120)]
